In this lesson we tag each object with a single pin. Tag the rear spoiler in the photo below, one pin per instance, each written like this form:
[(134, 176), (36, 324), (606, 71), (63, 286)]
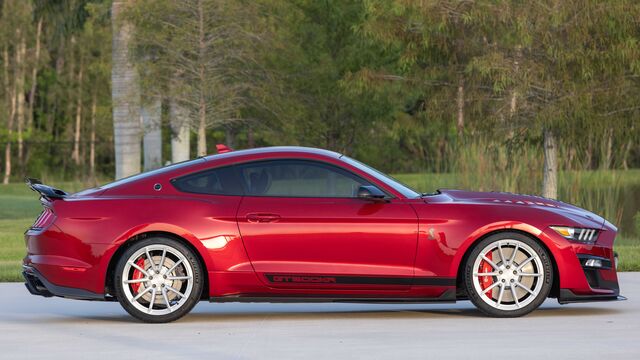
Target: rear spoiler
[(45, 190)]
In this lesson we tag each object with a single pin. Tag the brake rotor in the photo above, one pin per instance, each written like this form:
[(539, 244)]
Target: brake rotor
[(141, 287)]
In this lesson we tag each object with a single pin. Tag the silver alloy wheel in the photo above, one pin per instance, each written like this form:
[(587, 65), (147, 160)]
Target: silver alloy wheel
[(157, 279), (515, 277)]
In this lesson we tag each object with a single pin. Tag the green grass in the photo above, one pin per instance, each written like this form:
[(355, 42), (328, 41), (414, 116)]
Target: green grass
[(12, 247), (629, 257), (19, 207)]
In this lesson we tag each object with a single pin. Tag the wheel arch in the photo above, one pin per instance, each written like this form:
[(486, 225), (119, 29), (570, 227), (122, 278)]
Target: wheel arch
[(555, 286), (141, 236)]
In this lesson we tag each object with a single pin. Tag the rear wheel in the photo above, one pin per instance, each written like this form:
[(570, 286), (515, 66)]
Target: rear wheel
[(158, 280), (508, 275)]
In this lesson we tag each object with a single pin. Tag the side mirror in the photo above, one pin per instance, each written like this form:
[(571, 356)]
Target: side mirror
[(370, 193)]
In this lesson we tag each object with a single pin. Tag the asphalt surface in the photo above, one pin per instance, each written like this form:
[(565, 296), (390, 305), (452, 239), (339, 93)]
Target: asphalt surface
[(35, 327)]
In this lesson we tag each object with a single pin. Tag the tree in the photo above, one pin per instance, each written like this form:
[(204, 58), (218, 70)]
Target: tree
[(95, 45), (151, 114), (198, 50), (16, 21), (534, 63), (126, 95)]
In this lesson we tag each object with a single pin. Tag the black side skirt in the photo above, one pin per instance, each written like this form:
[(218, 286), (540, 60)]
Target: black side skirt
[(359, 280), (448, 296)]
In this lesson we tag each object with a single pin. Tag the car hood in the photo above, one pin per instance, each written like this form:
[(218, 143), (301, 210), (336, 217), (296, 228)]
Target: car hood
[(579, 215)]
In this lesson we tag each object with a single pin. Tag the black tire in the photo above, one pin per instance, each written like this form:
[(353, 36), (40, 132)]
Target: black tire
[(547, 270), (192, 298)]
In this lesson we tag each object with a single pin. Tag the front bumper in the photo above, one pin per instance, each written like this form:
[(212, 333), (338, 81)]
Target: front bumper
[(600, 273), (37, 284), (567, 296)]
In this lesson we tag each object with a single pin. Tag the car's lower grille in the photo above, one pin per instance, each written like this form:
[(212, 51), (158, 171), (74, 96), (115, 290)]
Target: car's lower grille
[(592, 278)]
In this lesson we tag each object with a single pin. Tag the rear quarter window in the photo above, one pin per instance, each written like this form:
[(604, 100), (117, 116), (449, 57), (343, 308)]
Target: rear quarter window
[(219, 181)]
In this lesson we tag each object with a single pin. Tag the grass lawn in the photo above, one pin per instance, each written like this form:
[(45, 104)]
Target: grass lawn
[(19, 207)]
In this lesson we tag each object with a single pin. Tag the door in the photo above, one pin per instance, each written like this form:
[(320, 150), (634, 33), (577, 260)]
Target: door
[(302, 226)]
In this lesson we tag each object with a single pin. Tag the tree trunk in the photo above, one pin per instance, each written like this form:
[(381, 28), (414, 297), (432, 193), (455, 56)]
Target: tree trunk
[(179, 119), (589, 154), (550, 180), (10, 99), (152, 140), (250, 141), (20, 57), (626, 152), (125, 93), (607, 151), (92, 139), (460, 103), (34, 75), (202, 133), (78, 126), (230, 137), (513, 103), (572, 156), (202, 106)]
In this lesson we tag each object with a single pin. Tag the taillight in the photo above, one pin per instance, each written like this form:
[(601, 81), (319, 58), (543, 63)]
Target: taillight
[(45, 219)]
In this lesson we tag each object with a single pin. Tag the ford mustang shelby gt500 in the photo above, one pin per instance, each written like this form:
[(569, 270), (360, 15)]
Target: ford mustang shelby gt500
[(298, 224)]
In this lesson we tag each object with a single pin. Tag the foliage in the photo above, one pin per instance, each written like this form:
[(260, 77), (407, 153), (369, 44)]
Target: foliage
[(404, 85)]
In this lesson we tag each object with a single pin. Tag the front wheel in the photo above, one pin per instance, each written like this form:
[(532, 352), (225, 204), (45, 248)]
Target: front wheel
[(508, 275), (158, 280)]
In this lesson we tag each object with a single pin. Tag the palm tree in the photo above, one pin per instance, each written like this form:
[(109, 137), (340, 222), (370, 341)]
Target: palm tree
[(151, 113), (125, 93)]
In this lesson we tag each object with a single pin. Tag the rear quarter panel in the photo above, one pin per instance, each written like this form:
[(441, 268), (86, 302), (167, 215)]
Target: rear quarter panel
[(100, 226)]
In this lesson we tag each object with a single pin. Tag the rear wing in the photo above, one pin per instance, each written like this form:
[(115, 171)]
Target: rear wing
[(45, 190)]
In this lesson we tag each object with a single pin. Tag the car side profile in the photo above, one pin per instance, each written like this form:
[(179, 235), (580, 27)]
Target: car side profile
[(288, 224)]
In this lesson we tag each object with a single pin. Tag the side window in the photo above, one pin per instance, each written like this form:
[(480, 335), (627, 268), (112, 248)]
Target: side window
[(220, 181), (299, 178)]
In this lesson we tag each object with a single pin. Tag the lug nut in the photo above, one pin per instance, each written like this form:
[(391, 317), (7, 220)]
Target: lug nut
[(512, 280), (508, 267), (502, 280), (154, 285), (164, 277), (500, 272), (150, 277), (515, 272)]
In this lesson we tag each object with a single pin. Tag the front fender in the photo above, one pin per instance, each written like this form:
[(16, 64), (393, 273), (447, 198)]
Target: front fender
[(561, 250)]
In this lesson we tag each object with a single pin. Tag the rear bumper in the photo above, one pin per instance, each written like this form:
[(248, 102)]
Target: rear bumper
[(37, 284)]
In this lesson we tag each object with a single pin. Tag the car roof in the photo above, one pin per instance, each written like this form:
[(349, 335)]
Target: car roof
[(226, 155), (274, 150)]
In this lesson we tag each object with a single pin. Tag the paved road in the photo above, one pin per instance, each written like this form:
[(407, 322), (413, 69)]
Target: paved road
[(35, 327)]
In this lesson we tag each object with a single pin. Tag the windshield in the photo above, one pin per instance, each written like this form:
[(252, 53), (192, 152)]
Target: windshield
[(395, 184)]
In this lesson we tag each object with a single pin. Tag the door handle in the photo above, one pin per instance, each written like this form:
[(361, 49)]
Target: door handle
[(262, 217)]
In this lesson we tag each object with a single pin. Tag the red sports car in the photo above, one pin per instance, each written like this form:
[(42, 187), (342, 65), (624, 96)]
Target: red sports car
[(289, 224)]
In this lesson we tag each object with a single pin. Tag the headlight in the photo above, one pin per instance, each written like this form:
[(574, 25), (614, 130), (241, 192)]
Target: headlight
[(582, 235)]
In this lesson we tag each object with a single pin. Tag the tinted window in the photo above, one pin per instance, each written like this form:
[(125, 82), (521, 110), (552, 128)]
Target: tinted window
[(150, 173), (220, 181), (298, 178), (397, 185)]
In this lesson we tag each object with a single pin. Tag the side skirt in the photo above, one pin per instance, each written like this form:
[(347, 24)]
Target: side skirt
[(448, 296)]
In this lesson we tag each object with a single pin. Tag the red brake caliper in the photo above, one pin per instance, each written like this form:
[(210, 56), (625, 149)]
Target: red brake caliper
[(137, 274), (485, 267)]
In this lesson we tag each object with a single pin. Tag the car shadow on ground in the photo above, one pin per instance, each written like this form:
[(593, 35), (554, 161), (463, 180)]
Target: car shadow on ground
[(251, 315)]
